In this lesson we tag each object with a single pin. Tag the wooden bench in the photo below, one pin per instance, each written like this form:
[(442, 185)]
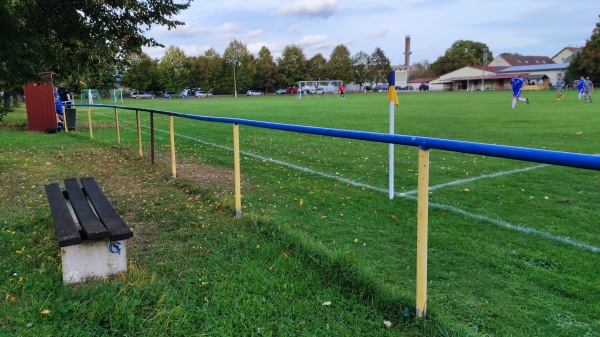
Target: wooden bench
[(90, 232)]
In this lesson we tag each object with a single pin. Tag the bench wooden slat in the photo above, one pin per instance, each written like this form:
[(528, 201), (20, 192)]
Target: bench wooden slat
[(64, 225), (92, 228), (105, 210)]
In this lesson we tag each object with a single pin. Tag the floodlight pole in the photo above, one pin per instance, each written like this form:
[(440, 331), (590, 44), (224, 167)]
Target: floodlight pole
[(485, 50), (235, 62), (234, 80)]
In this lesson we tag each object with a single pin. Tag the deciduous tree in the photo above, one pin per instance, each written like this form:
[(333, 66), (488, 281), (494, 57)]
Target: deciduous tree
[(462, 53), (379, 66), (237, 55), (74, 37), (588, 62), (360, 62), (172, 69), (339, 66), (266, 70), (292, 65), (317, 67)]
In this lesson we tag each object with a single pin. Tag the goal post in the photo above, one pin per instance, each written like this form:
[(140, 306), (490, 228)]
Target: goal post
[(116, 95), (89, 95), (321, 87)]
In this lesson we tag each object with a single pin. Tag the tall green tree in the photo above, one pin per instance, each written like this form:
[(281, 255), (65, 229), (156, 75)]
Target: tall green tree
[(420, 69), (379, 66), (141, 72), (588, 61), (211, 68), (360, 62), (75, 37), (317, 67), (265, 78), (292, 65), (339, 66), (239, 66), (172, 69), (461, 53)]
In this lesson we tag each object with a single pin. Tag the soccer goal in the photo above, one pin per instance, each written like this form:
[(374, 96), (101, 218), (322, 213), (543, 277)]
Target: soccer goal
[(89, 95), (327, 87), (116, 95)]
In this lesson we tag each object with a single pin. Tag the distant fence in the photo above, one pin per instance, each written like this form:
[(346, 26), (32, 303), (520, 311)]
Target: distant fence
[(424, 144)]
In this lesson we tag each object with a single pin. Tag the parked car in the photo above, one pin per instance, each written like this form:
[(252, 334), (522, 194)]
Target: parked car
[(280, 92), (291, 90), (168, 94), (425, 87), (382, 87), (368, 88), (254, 93), (320, 90), (308, 91), (141, 94), (203, 93)]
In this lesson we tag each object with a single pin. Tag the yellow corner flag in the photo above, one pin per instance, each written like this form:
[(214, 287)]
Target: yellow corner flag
[(392, 95)]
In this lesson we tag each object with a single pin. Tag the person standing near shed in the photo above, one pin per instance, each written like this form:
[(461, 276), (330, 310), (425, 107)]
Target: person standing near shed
[(64, 93), (517, 83), (60, 119)]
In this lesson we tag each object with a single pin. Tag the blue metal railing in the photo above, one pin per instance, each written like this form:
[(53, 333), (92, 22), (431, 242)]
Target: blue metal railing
[(569, 159)]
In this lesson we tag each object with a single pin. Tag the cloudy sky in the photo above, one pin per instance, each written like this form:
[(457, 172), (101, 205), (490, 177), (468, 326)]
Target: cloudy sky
[(528, 27)]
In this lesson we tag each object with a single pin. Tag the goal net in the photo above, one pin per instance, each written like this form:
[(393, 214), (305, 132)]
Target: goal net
[(88, 96), (326, 87), (116, 95)]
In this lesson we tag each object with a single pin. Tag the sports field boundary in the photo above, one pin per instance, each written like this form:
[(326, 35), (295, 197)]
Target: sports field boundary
[(424, 144)]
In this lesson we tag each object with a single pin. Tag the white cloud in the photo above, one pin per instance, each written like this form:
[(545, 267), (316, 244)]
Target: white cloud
[(317, 26), (323, 8), (314, 42)]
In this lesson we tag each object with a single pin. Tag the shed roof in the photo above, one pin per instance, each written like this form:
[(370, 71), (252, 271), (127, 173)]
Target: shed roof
[(539, 67), (520, 60)]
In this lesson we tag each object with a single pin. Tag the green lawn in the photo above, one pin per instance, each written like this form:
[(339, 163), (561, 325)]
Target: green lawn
[(513, 245)]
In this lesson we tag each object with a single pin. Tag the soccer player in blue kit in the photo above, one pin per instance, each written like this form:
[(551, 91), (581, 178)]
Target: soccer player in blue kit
[(517, 83), (581, 89)]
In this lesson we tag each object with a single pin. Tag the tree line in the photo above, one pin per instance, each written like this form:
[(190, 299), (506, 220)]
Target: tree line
[(175, 71)]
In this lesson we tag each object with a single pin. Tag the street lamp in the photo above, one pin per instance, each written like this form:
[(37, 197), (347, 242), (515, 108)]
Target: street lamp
[(235, 62), (485, 50)]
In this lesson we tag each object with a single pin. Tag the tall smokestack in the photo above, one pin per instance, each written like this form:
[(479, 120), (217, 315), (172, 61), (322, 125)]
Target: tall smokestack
[(407, 51)]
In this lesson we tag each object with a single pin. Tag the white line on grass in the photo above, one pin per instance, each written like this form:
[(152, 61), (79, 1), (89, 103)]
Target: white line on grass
[(408, 194), (485, 176)]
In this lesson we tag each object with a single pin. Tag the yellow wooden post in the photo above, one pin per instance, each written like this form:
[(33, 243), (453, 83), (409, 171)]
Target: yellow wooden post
[(172, 132), (236, 169), (422, 228), (139, 132), (117, 126), (65, 122), (90, 121)]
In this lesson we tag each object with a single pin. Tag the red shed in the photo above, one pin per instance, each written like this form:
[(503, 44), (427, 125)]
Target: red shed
[(39, 103)]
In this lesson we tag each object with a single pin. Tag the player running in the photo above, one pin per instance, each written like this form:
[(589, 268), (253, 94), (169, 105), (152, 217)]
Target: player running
[(517, 83)]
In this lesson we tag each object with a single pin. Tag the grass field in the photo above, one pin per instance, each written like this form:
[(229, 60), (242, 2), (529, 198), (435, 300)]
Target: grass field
[(513, 245)]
